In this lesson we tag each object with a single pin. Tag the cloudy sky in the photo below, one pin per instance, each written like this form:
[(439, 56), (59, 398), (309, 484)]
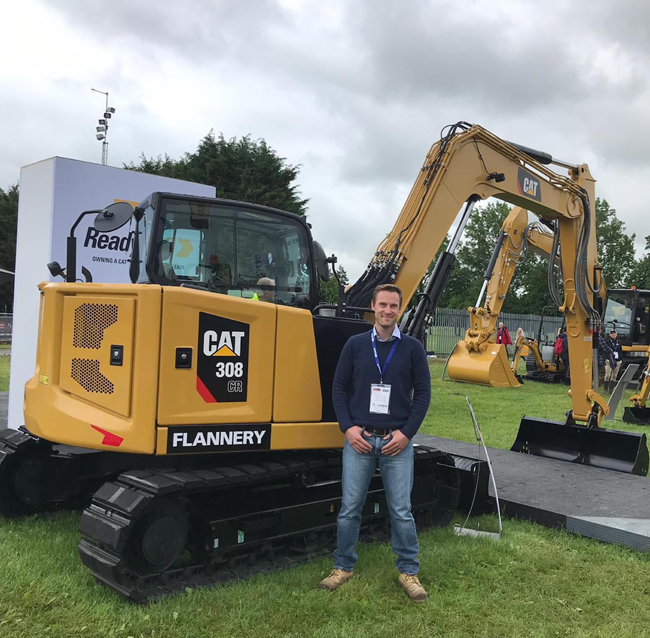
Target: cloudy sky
[(355, 91)]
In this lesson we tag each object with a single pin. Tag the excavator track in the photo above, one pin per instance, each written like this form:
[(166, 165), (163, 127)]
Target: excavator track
[(533, 374), (35, 476), (152, 533)]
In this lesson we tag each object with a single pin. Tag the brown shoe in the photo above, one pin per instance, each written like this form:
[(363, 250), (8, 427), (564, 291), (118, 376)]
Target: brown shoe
[(414, 590), (336, 578)]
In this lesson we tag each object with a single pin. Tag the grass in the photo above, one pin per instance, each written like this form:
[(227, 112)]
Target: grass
[(499, 410), (535, 582), (5, 364)]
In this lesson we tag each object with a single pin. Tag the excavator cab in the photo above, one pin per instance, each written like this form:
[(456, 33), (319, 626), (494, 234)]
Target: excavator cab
[(628, 312)]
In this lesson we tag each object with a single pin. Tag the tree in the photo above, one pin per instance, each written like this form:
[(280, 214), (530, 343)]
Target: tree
[(330, 289), (245, 170), (528, 291), (473, 256), (615, 247), (640, 275), (8, 224)]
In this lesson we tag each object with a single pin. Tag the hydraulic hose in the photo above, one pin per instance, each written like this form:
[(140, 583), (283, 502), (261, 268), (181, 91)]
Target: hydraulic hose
[(553, 287)]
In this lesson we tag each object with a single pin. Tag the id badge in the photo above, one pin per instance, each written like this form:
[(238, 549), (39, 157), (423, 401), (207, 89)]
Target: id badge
[(616, 356), (379, 398)]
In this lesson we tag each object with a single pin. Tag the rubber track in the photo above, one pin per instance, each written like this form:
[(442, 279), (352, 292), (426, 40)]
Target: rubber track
[(15, 446), (116, 508)]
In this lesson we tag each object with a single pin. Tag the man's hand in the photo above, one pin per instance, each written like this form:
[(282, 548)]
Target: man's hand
[(394, 447), (354, 438)]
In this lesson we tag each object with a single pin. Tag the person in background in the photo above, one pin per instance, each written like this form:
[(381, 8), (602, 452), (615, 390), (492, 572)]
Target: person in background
[(503, 336), (267, 292), (561, 351), (604, 354), (613, 365)]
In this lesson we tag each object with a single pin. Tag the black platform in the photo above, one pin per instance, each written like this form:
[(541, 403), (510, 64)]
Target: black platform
[(609, 506)]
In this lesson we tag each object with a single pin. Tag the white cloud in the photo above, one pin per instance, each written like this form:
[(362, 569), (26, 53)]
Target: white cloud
[(354, 92)]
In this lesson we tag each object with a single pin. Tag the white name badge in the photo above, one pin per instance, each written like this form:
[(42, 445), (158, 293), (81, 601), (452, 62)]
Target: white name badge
[(379, 398), (616, 355)]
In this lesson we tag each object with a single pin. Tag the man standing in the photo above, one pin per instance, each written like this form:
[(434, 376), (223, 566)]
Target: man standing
[(604, 354), (381, 393), (613, 365), (561, 351), (503, 336)]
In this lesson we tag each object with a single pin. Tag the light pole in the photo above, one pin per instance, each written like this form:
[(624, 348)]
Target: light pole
[(102, 129)]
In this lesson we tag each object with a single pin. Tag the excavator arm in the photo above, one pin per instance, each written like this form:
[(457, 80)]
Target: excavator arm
[(469, 164), (477, 358)]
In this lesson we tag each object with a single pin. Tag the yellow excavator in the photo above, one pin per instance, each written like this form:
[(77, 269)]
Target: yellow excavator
[(541, 362), (202, 415), (477, 358)]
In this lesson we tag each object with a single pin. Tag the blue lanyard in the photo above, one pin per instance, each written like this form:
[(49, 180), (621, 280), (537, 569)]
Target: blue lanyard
[(388, 358)]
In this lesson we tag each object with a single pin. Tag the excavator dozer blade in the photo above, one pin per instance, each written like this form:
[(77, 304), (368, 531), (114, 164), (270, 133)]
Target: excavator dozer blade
[(598, 447), (491, 367), (637, 416)]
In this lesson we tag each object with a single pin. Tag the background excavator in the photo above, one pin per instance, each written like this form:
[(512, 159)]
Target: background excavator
[(204, 415), (477, 358)]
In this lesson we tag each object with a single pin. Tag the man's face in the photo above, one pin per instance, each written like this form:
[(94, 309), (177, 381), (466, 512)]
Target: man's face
[(613, 335), (386, 308), (501, 325)]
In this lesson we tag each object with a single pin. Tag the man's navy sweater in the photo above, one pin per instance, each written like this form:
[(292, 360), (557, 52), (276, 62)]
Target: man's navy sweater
[(407, 374)]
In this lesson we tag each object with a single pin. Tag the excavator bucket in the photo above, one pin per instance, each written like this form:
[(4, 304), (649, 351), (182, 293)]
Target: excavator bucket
[(637, 416), (491, 367), (598, 447)]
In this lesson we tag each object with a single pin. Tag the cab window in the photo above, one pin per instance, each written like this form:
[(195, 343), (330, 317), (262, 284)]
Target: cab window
[(234, 251)]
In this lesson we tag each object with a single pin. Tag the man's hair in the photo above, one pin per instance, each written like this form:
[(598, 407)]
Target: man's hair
[(613, 331), (386, 288)]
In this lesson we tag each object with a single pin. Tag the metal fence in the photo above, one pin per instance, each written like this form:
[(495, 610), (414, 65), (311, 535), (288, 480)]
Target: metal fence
[(6, 324), (450, 325)]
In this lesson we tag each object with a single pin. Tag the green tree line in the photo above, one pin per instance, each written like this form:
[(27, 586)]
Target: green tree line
[(528, 292)]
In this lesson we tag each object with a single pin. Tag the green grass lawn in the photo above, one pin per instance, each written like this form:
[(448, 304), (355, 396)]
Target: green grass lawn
[(535, 582), (5, 364), (499, 410)]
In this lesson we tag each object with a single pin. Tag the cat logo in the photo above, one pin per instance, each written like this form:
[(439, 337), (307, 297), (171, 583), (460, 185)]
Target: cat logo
[(528, 185), (222, 364), (226, 344)]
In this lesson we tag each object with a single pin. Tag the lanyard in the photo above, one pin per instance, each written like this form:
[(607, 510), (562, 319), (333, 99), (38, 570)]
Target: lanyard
[(388, 358)]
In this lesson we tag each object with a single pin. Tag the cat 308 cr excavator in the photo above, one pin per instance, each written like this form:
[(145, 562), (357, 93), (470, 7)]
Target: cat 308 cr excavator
[(210, 413)]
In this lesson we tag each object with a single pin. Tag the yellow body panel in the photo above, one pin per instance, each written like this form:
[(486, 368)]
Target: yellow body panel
[(58, 409), (488, 367), (91, 326), (297, 392), (304, 436), (179, 401)]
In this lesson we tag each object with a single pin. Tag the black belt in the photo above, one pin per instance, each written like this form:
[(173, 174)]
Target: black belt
[(376, 432)]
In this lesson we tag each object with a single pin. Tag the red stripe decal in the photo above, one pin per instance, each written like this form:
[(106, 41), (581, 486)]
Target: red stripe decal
[(204, 392), (109, 438)]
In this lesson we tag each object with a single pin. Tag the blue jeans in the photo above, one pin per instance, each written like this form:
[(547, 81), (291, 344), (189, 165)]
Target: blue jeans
[(397, 476)]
